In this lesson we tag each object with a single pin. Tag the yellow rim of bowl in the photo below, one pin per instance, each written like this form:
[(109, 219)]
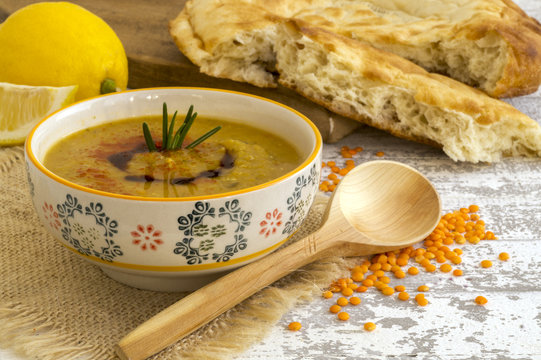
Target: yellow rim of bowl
[(180, 268), (61, 180)]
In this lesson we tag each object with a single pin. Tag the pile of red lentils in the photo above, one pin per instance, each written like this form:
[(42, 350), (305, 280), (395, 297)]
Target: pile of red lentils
[(460, 227), (463, 226)]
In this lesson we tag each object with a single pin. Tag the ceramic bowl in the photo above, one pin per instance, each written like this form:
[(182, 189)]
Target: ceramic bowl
[(163, 243)]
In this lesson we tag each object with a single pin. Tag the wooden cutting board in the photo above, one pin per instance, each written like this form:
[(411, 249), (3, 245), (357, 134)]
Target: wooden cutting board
[(154, 60)]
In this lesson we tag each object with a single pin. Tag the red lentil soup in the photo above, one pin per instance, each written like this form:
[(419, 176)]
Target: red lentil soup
[(113, 157)]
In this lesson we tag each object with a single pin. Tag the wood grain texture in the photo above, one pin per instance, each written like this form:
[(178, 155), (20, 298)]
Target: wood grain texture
[(154, 60)]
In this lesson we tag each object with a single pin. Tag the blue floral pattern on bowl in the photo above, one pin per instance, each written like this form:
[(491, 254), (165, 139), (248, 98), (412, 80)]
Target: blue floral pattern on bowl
[(296, 204), (204, 225), (89, 231)]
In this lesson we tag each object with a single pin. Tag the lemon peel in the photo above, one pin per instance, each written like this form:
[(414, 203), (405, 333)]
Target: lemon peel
[(61, 44)]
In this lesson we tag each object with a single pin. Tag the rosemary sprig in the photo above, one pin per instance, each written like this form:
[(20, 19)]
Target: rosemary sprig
[(203, 137), (174, 142), (170, 135), (164, 126), (148, 138)]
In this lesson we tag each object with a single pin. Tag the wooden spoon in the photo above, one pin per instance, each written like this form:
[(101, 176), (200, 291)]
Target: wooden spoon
[(379, 206)]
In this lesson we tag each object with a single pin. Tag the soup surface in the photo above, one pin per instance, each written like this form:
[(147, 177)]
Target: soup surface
[(114, 157)]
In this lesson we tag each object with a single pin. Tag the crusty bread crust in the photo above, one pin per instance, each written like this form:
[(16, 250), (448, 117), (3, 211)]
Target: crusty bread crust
[(227, 40), (489, 44), (391, 93)]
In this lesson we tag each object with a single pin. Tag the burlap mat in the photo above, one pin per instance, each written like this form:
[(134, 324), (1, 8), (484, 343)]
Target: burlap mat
[(55, 305)]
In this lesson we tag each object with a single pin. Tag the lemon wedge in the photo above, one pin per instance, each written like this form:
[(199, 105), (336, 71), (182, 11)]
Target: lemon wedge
[(22, 107)]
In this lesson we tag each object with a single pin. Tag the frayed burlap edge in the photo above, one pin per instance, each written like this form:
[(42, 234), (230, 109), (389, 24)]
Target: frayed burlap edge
[(31, 333)]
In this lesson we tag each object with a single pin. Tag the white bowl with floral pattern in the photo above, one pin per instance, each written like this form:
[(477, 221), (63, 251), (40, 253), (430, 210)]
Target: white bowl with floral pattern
[(174, 244)]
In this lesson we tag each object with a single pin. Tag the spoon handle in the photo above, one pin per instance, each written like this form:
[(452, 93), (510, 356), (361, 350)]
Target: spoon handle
[(205, 304)]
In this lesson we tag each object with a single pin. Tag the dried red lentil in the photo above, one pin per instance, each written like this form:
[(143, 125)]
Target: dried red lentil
[(347, 291), (486, 263), (421, 300), (387, 291), (446, 268), (327, 294), (342, 301), (369, 326), (481, 300), (335, 308), (294, 326), (404, 296), (457, 272), (354, 300)]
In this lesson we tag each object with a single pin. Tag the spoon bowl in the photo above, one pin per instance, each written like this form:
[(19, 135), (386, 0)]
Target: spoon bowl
[(379, 206), (389, 203)]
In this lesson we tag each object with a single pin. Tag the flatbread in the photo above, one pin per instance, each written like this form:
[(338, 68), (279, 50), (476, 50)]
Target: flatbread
[(336, 53)]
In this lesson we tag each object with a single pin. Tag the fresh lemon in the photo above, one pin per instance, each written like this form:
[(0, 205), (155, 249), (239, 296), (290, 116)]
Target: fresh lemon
[(21, 107), (61, 44)]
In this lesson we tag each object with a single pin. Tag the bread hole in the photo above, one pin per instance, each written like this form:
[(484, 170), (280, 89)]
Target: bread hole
[(299, 46), (394, 118), (389, 112), (270, 66), (388, 106), (237, 43)]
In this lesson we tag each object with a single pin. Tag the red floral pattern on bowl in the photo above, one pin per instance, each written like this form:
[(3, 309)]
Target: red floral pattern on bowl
[(50, 215), (271, 223), (147, 237)]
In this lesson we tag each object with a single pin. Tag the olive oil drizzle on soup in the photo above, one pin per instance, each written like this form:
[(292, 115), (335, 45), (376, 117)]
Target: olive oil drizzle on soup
[(113, 157)]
